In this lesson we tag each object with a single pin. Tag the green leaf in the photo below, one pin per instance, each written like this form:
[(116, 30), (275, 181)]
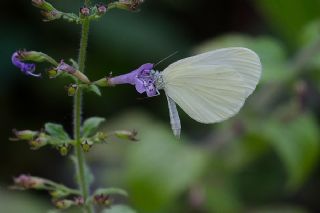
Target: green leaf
[(297, 143), (57, 131), (270, 51), (119, 209), (91, 125), (109, 191), (95, 89), (87, 172)]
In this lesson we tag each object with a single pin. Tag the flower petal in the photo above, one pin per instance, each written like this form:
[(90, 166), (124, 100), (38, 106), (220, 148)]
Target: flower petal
[(139, 86)]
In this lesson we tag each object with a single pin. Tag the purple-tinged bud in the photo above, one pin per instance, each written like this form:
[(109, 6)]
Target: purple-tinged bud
[(72, 89), (84, 11), (102, 199), (101, 9), (51, 15), (127, 135), (64, 67), (42, 4), (131, 5), (63, 204), (26, 68), (28, 182), (78, 201)]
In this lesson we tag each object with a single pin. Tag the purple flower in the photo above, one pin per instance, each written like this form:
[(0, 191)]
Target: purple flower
[(26, 68), (64, 67), (144, 79)]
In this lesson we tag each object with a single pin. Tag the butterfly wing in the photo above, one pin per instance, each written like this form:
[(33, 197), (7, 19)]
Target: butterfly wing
[(243, 60), (213, 86), (174, 117)]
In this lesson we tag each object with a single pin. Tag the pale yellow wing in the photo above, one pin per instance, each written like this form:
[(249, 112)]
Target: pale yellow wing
[(242, 60)]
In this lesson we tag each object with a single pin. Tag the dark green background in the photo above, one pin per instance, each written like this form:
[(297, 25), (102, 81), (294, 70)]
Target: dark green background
[(263, 160)]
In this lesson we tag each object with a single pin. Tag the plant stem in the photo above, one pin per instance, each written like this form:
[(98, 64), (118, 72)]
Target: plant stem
[(77, 109)]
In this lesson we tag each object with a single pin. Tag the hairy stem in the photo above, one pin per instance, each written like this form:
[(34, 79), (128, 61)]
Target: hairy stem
[(77, 109)]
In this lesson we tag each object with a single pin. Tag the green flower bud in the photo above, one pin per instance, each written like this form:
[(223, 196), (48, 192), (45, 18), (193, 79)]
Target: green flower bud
[(100, 137), (39, 142), (86, 145), (35, 57), (72, 89), (42, 4), (24, 134), (52, 73), (127, 135), (103, 82), (63, 204), (58, 194), (64, 149)]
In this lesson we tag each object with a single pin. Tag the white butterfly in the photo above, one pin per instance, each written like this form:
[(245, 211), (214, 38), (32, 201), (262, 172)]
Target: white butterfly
[(209, 87)]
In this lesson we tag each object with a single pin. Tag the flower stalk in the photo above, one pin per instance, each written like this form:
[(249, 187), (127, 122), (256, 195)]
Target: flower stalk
[(77, 110)]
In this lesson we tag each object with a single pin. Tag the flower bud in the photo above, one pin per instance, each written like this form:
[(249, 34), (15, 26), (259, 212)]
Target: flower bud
[(103, 82), (28, 182), (102, 199), (131, 5), (42, 4), (63, 204), (72, 89), (39, 142), (58, 194), (100, 137), (128, 135), (79, 201), (86, 145), (24, 134), (64, 67), (51, 15), (52, 73), (64, 149), (101, 9), (84, 11)]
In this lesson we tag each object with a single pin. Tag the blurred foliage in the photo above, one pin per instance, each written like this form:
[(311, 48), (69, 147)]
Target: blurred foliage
[(263, 160), (20, 202), (270, 51)]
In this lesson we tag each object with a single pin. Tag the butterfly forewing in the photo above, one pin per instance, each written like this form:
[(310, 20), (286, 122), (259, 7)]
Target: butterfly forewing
[(242, 60)]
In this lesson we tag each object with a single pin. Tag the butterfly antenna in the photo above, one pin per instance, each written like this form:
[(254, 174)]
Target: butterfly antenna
[(172, 54)]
